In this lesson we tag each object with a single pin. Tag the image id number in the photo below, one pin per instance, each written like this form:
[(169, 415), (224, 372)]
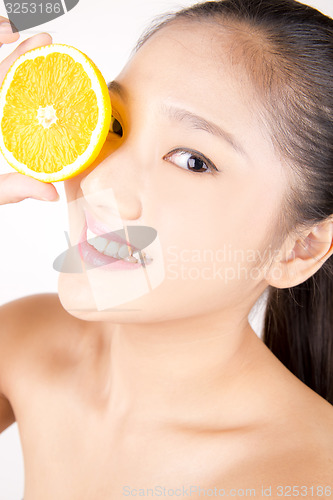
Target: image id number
[(33, 8)]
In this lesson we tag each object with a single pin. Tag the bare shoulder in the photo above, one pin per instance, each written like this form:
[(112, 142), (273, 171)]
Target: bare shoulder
[(299, 419), (300, 442), (313, 433), (311, 418), (317, 434), (32, 328), (291, 443), (290, 454)]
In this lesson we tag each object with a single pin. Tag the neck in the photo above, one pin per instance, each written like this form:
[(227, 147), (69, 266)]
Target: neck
[(182, 372)]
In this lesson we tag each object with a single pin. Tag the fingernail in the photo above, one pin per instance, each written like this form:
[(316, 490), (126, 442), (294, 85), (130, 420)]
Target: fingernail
[(5, 27), (48, 199)]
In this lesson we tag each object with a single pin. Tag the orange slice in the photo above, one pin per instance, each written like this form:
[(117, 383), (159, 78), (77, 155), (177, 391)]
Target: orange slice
[(55, 113)]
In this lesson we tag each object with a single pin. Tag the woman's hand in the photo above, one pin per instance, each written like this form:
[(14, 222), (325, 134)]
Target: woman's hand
[(16, 187)]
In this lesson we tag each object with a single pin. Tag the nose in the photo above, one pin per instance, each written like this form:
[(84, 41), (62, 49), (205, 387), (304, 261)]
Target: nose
[(116, 180)]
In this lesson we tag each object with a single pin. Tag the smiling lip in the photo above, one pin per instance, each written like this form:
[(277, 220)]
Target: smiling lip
[(100, 229), (95, 259)]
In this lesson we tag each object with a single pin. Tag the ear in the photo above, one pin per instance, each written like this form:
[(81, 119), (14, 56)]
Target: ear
[(300, 259)]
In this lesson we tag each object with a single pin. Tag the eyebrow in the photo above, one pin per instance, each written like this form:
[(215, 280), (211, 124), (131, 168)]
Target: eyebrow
[(118, 89), (200, 123), (195, 121)]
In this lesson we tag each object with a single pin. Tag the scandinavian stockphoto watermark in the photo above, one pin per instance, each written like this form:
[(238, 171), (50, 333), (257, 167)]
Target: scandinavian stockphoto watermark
[(225, 263), (122, 262), (24, 14)]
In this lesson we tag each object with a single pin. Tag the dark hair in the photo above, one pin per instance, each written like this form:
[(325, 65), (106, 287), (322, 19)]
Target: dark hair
[(287, 50)]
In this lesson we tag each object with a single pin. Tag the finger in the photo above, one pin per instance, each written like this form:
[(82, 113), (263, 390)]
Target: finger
[(7, 32), (30, 43), (16, 187)]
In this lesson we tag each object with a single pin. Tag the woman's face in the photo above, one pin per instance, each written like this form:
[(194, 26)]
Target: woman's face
[(192, 163)]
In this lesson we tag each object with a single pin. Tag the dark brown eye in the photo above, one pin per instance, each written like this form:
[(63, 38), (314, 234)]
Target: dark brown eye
[(115, 127), (196, 164), (192, 161)]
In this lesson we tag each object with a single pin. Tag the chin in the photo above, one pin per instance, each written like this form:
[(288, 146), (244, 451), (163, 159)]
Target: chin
[(75, 295), (77, 298)]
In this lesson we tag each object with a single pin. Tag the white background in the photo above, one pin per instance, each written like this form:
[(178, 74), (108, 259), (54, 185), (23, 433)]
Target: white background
[(32, 232)]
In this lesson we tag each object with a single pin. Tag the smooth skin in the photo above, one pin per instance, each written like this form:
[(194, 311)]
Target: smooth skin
[(181, 391)]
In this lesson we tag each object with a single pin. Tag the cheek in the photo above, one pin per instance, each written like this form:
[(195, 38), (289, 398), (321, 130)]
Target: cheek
[(248, 211), (225, 229)]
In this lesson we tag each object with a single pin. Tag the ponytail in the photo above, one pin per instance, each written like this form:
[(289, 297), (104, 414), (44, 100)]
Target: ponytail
[(298, 329)]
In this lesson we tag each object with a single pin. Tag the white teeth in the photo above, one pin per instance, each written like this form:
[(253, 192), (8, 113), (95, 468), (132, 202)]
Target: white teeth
[(96, 241), (131, 259), (147, 259), (90, 234), (115, 249), (112, 249), (100, 244), (123, 251)]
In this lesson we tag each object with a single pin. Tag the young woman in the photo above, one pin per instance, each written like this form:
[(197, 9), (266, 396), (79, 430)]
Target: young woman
[(149, 381)]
